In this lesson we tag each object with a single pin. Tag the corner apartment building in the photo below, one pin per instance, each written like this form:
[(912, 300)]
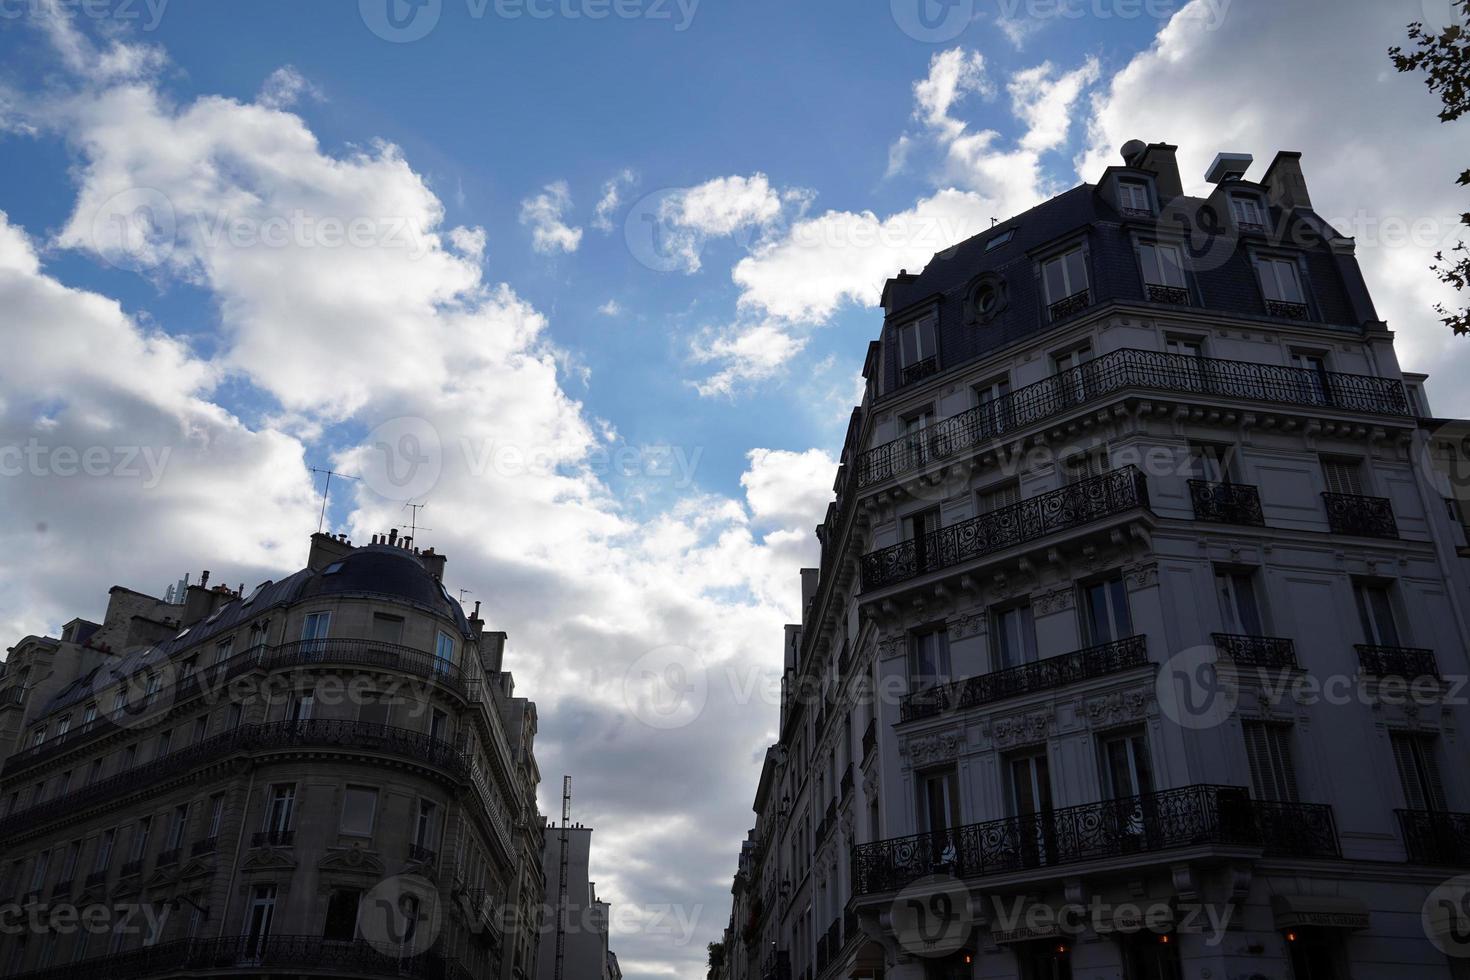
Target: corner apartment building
[(585, 919), (330, 775), (1143, 592)]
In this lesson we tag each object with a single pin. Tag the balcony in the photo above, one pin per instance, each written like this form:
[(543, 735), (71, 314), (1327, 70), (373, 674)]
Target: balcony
[(252, 956), (269, 736), (421, 854), (1042, 675), (1269, 652), (1189, 816), (1070, 305), (1287, 311), (918, 371), (1130, 369), (1227, 503), (1436, 837), (1070, 507), (273, 838), (1409, 663), (367, 653), (1174, 295), (1365, 517)]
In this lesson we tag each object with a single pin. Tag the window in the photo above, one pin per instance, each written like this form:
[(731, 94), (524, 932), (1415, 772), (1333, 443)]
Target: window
[(1044, 959), (314, 630), (64, 783), (1418, 770), (129, 757), (1375, 614), (1000, 238), (915, 432), (1105, 615), (69, 864), (154, 685), (997, 496), (1030, 784), (375, 709), (1280, 280), (282, 801), (216, 814), (1014, 631), (201, 728), (939, 801), (387, 629), (95, 771), (1133, 196), (1068, 366), (928, 658), (341, 922), (1064, 276), (1184, 346), (177, 826), (987, 298), (140, 838), (438, 724), (38, 871), (63, 725), (258, 920), (426, 829), (359, 807), (89, 716), (223, 648), (1240, 612), (1210, 461), (165, 739), (1127, 770), (38, 736), (1343, 475), (916, 342), (1162, 265), (443, 652), (104, 851), (991, 398), (1246, 211), (917, 525), (300, 706), (1268, 750), (1085, 465), (1147, 955)]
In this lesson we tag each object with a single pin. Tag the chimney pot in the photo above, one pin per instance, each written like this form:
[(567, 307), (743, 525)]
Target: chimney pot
[(204, 579), (393, 536)]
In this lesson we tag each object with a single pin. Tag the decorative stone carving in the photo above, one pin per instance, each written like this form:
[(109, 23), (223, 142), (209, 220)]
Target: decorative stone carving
[(923, 750), (1117, 708), (1021, 729), (1057, 600), (968, 625), (890, 647), (1142, 576), (870, 785)]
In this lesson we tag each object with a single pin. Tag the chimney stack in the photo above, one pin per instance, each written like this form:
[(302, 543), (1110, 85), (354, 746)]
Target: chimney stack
[(1159, 159), (1286, 185)]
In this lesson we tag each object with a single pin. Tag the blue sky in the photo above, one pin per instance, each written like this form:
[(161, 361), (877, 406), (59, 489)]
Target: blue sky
[(505, 326)]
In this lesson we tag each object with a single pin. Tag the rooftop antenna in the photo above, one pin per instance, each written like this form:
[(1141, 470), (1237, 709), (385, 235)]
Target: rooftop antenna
[(326, 488), (462, 592), (992, 222), (413, 521), (561, 888)]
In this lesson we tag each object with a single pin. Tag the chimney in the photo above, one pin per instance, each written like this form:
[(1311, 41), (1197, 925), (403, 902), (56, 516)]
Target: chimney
[(1158, 158), (477, 625), (326, 549), (200, 601), (492, 652), (393, 537), (809, 580), (433, 563), (1285, 185)]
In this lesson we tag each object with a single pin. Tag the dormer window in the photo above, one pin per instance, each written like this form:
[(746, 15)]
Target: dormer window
[(997, 240), (1246, 211), (1163, 273), (916, 350), (1133, 198), (1282, 286), (1065, 280)]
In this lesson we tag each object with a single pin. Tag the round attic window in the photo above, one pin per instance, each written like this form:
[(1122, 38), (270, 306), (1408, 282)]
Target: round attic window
[(987, 298)]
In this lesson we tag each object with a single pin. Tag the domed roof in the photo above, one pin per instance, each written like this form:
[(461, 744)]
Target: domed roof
[(385, 570)]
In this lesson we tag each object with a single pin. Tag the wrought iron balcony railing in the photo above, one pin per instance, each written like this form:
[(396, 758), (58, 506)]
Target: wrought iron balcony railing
[(1177, 295), (1227, 503), (1069, 305), (1182, 817), (1287, 311), (1366, 517), (1271, 652), (316, 733), (1069, 507), (248, 955), (1410, 663), (1436, 837), (1123, 369), (1041, 675), (919, 370)]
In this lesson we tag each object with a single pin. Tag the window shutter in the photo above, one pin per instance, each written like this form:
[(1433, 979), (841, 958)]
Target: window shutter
[(1268, 748), (1434, 787), (1403, 757)]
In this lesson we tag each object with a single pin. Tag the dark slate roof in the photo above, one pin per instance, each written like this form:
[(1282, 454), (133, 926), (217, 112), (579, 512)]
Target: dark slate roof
[(1226, 282), (381, 571)]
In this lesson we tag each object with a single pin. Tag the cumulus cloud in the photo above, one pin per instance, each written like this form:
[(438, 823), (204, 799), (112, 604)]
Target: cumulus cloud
[(612, 199), (611, 308), (748, 353), (285, 87), (543, 214)]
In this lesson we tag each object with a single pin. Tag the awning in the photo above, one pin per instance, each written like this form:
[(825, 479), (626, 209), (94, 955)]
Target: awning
[(1330, 911)]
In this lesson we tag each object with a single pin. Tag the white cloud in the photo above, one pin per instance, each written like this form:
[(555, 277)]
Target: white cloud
[(725, 205), (785, 488), (952, 75), (610, 308), (285, 87), (612, 199), (748, 353), (543, 215), (469, 242)]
